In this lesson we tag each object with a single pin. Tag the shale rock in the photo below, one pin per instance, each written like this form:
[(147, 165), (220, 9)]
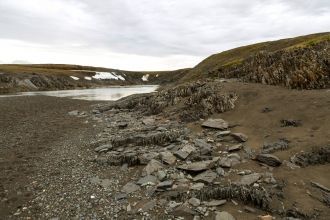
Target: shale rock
[(147, 180), (198, 166), (205, 177), (130, 187), (152, 167), (240, 137), (194, 202), (249, 179), (282, 144), (216, 123), (216, 202), (103, 148), (316, 156), (224, 216), (168, 157), (185, 151), (204, 148), (269, 159)]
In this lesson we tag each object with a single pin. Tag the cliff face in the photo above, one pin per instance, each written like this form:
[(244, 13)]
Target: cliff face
[(300, 68)]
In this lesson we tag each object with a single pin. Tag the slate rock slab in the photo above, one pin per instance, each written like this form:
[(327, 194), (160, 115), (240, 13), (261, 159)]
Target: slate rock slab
[(240, 137), (216, 123), (269, 159), (197, 166), (205, 177)]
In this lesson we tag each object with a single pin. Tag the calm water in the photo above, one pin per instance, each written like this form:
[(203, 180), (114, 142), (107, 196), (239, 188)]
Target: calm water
[(104, 94)]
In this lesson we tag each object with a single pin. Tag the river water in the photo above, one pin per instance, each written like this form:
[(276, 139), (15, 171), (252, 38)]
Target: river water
[(102, 94)]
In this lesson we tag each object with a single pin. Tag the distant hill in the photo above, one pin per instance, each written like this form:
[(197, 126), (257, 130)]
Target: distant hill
[(31, 77), (300, 62)]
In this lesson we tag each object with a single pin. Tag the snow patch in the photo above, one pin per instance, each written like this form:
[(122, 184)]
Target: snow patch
[(107, 75), (88, 78), (75, 78), (145, 77)]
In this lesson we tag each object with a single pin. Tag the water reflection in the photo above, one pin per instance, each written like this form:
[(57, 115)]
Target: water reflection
[(104, 94)]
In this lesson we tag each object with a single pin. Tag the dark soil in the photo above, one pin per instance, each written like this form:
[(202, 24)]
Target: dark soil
[(31, 127)]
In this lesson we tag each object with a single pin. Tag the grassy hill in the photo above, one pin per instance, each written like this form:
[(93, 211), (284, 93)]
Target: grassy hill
[(300, 62)]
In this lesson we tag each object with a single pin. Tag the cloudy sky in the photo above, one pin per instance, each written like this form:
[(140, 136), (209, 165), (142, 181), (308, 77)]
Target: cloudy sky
[(147, 34)]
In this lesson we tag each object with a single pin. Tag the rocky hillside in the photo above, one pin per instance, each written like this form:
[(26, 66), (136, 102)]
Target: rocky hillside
[(16, 78), (299, 63)]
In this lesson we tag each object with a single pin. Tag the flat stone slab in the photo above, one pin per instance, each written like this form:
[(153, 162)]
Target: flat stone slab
[(269, 159), (216, 202), (152, 167), (205, 177), (224, 216), (215, 123), (249, 179), (168, 157), (240, 137), (197, 166), (149, 179), (131, 187)]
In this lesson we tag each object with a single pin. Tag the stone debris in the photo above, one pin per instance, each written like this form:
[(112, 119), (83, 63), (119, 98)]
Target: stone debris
[(269, 159), (282, 144), (316, 156), (216, 123)]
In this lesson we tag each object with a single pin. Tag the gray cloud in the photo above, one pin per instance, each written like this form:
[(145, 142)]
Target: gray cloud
[(159, 28)]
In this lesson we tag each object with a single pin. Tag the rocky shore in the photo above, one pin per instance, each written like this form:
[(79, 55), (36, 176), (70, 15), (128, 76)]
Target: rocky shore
[(203, 150)]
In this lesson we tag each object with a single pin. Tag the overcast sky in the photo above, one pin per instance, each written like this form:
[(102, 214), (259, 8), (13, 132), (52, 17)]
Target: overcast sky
[(147, 34)]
